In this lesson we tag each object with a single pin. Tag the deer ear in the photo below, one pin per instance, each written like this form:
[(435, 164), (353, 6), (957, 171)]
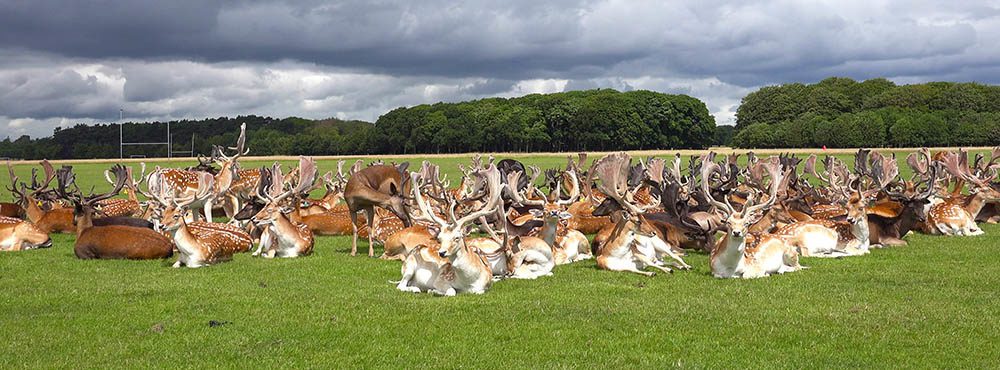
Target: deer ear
[(536, 212), (393, 189)]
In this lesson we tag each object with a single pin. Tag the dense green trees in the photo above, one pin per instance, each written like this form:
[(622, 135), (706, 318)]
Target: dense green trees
[(840, 112), (579, 120)]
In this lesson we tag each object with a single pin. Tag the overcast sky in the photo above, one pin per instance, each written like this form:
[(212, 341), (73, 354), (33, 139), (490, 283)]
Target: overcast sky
[(68, 62)]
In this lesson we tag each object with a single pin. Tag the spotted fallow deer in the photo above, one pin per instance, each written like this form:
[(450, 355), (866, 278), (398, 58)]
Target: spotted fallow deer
[(114, 241), (202, 243), (957, 215), (375, 186), (130, 205), (46, 215), (284, 235), (452, 266), (183, 183), (628, 248), (17, 235), (334, 195), (732, 257)]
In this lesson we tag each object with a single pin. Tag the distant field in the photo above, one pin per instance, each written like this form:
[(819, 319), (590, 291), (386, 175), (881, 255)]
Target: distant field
[(930, 305)]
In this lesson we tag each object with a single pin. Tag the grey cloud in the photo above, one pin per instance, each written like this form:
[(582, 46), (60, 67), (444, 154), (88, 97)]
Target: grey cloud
[(358, 59)]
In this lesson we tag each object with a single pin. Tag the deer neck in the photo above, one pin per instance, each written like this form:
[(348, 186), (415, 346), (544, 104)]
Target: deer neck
[(467, 264), (186, 242), (224, 179), (85, 222), (548, 233), (975, 204), (732, 249), (32, 210), (283, 227)]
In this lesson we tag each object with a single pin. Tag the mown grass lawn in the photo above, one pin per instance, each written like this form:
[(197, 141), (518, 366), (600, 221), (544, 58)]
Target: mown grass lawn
[(931, 304)]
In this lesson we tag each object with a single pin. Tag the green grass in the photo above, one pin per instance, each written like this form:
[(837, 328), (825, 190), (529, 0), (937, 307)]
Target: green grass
[(930, 304)]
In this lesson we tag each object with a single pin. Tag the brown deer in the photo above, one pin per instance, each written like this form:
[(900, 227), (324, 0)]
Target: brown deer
[(46, 215), (334, 196), (17, 235), (283, 235), (375, 186), (117, 241)]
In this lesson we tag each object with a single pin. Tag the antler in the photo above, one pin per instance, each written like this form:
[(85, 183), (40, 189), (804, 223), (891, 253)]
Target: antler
[(773, 168), (512, 178), (612, 171), (708, 168)]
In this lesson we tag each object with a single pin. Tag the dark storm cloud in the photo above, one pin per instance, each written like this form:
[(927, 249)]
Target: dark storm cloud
[(357, 59)]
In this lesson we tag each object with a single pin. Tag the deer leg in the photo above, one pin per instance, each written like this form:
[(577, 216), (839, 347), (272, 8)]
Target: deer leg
[(354, 228), (208, 210), (370, 217), (650, 263)]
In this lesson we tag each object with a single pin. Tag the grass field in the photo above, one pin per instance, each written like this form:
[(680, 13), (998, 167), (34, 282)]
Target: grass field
[(931, 304)]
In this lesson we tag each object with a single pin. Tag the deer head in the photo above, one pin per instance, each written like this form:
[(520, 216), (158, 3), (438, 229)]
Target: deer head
[(739, 222), (451, 228)]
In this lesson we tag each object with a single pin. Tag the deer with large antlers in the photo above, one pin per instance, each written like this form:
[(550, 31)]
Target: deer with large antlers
[(113, 241), (44, 213), (629, 247), (957, 215), (732, 256), (284, 236), (183, 184), (452, 266), (564, 245), (375, 186), (903, 209), (130, 206)]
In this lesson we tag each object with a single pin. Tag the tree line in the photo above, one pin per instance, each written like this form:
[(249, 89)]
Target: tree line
[(601, 119), (840, 113)]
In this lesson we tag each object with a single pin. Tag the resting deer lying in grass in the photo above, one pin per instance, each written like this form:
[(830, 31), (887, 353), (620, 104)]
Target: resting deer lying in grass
[(628, 248), (114, 241), (46, 214), (331, 199), (17, 235), (565, 245), (890, 219), (957, 215), (452, 267), (732, 256), (283, 236), (202, 243)]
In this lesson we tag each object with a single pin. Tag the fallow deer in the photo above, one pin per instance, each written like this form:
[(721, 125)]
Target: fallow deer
[(183, 183), (957, 215), (116, 241), (732, 257), (213, 244), (629, 248), (47, 216), (375, 186), (17, 235), (284, 236), (452, 266)]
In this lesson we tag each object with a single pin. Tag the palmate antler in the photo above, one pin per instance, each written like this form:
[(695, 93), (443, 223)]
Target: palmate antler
[(613, 171), (490, 176), (956, 165)]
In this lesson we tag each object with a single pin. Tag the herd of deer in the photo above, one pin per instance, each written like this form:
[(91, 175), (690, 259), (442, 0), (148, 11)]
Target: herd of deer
[(644, 215)]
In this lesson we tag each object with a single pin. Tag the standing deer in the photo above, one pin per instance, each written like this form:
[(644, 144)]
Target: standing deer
[(375, 186), (452, 266), (183, 183), (115, 241), (283, 235)]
